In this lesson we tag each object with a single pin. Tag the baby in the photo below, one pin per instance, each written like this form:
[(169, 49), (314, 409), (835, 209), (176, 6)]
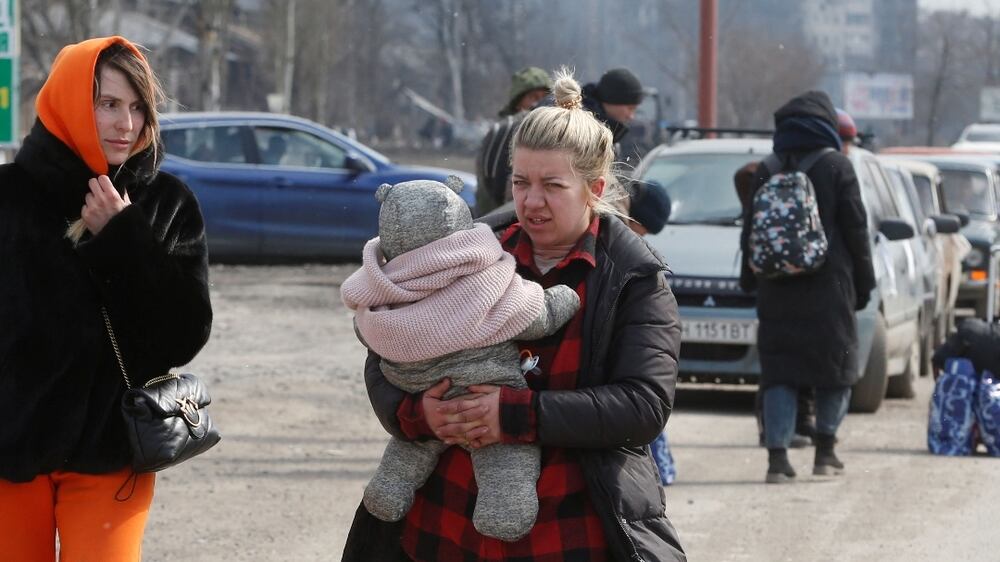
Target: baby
[(436, 297)]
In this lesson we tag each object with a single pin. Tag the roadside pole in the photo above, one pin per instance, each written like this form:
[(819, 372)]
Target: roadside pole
[(9, 76), (707, 55)]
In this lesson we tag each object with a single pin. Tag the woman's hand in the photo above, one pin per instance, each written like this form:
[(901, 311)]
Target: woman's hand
[(451, 419), (102, 203), (488, 432)]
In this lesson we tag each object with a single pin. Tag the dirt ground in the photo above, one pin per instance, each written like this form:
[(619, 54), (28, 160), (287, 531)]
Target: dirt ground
[(300, 442), (299, 439)]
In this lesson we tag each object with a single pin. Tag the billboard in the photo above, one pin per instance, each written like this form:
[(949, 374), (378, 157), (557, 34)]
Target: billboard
[(8, 72), (878, 95)]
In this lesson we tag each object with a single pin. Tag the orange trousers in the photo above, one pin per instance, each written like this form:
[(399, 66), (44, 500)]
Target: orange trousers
[(92, 524)]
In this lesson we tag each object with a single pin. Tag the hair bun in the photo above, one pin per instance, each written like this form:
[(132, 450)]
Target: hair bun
[(566, 90)]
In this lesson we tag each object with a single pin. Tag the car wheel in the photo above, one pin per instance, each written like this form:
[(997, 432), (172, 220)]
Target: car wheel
[(901, 386), (867, 394)]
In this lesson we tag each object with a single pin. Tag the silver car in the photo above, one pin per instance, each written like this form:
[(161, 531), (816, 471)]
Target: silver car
[(701, 246)]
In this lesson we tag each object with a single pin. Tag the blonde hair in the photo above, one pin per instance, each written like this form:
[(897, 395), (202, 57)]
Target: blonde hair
[(147, 87), (570, 128)]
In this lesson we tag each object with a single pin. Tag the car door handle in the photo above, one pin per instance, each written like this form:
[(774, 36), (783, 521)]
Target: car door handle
[(282, 182)]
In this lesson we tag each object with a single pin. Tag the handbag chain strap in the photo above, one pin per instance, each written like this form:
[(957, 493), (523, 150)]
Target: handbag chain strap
[(114, 344)]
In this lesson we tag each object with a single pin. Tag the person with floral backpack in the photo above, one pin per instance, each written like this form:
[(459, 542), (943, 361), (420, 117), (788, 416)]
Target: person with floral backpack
[(808, 333)]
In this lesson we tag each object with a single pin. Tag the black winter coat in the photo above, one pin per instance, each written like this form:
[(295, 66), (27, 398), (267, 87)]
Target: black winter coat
[(626, 390), (493, 184), (808, 332), (60, 385)]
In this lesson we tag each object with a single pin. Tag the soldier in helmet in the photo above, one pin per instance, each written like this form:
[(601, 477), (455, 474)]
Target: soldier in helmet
[(527, 87)]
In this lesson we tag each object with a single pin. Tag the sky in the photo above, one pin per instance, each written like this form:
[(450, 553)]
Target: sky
[(976, 7)]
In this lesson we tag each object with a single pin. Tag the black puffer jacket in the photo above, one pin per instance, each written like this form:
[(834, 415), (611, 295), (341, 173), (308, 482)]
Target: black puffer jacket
[(493, 186), (808, 333), (60, 384), (626, 391)]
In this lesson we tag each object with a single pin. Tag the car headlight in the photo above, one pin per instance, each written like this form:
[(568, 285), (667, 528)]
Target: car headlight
[(975, 258)]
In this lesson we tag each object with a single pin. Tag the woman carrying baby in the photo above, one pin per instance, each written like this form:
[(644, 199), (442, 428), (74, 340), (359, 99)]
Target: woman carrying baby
[(598, 391)]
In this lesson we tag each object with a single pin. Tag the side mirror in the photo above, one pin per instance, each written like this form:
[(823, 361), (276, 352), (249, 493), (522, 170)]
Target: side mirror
[(356, 163), (896, 229), (929, 228), (946, 224), (963, 218)]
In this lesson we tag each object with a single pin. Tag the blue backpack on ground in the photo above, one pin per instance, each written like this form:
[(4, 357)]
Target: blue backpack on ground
[(660, 449), (786, 234), (952, 417), (988, 412), (976, 344)]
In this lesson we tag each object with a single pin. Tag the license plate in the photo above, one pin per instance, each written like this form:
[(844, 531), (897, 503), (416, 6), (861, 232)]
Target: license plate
[(719, 331)]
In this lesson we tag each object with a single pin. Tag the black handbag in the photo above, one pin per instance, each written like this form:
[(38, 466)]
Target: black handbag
[(167, 420)]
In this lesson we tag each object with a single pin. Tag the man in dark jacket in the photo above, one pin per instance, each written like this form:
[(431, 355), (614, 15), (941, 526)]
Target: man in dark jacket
[(613, 100), (527, 87), (808, 333)]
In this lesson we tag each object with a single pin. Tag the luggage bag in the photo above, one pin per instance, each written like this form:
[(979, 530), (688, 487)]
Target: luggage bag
[(965, 406)]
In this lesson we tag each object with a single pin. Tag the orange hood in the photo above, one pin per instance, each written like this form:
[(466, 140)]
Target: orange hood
[(65, 104)]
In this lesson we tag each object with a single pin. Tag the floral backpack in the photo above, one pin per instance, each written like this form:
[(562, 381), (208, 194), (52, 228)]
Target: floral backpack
[(786, 235)]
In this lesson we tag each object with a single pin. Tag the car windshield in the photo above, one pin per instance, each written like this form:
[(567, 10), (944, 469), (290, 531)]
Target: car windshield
[(966, 190), (983, 135), (700, 186)]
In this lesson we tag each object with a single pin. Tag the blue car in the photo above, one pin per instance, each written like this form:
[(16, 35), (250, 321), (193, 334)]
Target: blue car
[(280, 188)]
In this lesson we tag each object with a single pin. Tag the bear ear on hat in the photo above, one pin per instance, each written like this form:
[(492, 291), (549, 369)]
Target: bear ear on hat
[(455, 183), (382, 191)]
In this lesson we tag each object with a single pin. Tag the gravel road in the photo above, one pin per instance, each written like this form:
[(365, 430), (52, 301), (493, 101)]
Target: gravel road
[(300, 441)]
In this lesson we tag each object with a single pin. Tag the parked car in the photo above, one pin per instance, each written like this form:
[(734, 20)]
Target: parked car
[(952, 246), (277, 187), (701, 246), (979, 136), (971, 185), (927, 255)]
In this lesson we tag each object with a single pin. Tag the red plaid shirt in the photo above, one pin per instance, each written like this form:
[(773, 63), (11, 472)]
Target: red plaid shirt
[(439, 525)]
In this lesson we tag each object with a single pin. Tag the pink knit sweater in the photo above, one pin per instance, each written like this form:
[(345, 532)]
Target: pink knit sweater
[(456, 293)]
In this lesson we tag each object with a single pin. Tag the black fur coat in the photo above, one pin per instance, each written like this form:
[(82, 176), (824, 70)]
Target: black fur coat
[(60, 384)]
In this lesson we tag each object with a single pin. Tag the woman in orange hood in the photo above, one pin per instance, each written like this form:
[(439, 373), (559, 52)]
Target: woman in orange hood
[(87, 221)]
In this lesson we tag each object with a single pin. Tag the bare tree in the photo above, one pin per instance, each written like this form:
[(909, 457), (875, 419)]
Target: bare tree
[(950, 73), (991, 48), (451, 33), (158, 55), (757, 74), (673, 49), (937, 86), (212, 25), (288, 60)]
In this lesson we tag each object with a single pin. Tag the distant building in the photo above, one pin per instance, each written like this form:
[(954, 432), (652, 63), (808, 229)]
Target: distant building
[(861, 36), (872, 37), (897, 28)]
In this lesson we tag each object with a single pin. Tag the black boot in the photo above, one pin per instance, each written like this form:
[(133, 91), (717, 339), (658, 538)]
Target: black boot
[(826, 462), (779, 470), (805, 421)]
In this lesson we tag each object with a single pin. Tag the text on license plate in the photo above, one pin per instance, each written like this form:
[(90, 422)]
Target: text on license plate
[(719, 331)]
